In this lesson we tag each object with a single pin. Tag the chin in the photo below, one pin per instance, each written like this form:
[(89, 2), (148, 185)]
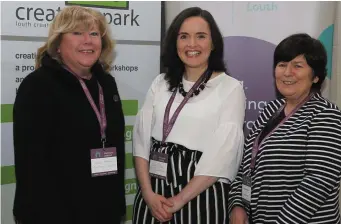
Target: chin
[(288, 94), (192, 65), (88, 64)]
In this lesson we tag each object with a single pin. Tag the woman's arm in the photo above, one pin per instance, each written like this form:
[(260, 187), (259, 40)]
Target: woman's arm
[(38, 197), (141, 150), (322, 169), (236, 207)]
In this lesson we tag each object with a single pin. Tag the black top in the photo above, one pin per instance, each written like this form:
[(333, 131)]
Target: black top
[(54, 129), (92, 85)]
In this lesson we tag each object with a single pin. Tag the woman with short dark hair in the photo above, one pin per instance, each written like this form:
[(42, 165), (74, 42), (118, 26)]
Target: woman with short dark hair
[(291, 166)]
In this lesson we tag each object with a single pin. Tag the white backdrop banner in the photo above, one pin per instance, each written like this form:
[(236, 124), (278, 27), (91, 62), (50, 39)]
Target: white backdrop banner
[(136, 27)]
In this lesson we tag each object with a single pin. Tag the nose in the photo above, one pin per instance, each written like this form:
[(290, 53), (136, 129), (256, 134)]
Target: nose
[(288, 70), (192, 42), (87, 37)]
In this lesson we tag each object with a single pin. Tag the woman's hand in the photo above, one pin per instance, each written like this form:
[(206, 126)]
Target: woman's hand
[(177, 204), (238, 216), (155, 203)]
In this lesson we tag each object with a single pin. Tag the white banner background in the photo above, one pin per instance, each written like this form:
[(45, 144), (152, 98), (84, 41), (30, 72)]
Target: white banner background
[(24, 28)]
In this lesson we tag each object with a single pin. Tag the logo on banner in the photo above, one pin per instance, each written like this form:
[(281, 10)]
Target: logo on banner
[(116, 19), (40, 17), (28, 17), (101, 4)]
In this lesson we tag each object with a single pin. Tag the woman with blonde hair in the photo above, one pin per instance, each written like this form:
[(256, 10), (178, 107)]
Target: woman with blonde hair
[(69, 128)]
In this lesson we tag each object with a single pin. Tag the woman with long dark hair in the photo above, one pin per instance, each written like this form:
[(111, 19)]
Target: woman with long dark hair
[(188, 136)]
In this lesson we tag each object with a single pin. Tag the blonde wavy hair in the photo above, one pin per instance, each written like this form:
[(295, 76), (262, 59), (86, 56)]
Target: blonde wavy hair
[(68, 20)]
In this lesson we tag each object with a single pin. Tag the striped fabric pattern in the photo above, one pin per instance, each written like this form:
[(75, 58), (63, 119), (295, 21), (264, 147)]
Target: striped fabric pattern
[(210, 207), (298, 167)]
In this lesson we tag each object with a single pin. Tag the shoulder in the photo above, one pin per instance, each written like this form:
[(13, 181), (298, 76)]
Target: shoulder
[(322, 106), (273, 105), (229, 89), (322, 103), (228, 84), (159, 84), (34, 89), (40, 74), (160, 79), (229, 81), (108, 78), (36, 80), (109, 84)]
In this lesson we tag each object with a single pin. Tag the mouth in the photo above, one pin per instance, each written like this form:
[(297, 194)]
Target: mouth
[(289, 82), (86, 51), (192, 53)]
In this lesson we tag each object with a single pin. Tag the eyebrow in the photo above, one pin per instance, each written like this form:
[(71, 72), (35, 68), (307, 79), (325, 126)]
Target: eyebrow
[(181, 33), (297, 62)]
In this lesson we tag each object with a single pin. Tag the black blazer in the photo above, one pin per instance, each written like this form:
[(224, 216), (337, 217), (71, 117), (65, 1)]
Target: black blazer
[(54, 129)]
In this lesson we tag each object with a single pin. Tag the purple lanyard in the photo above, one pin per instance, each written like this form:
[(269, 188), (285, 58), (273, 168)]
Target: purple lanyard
[(102, 119), (168, 124), (256, 144)]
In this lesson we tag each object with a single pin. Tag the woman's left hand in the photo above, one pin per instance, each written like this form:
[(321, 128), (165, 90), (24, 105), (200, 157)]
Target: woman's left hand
[(177, 204)]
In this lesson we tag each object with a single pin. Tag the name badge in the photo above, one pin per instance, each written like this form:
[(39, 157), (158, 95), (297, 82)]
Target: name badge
[(158, 165), (103, 161), (246, 189)]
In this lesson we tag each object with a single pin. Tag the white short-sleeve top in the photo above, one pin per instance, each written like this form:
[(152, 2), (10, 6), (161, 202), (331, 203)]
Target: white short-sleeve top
[(211, 123)]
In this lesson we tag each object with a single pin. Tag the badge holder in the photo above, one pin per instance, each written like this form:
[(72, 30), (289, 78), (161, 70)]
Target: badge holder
[(103, 161), (246, 189), (158, 165)]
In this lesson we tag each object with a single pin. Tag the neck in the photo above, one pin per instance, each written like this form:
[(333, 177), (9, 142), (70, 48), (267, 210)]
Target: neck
[(82, 73), (292, 103), (86, 75), (193, 74)]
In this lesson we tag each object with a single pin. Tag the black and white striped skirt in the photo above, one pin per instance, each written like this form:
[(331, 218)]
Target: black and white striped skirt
[(210, 207)]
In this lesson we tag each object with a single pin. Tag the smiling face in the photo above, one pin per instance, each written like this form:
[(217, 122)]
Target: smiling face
[(294, 78), (194, 43), (80, 49)]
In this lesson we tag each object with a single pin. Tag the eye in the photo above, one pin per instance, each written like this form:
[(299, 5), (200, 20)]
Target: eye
[(281, 65), (76, 33), (298, 66), (201, 36), (182, 36), (95, 34)]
